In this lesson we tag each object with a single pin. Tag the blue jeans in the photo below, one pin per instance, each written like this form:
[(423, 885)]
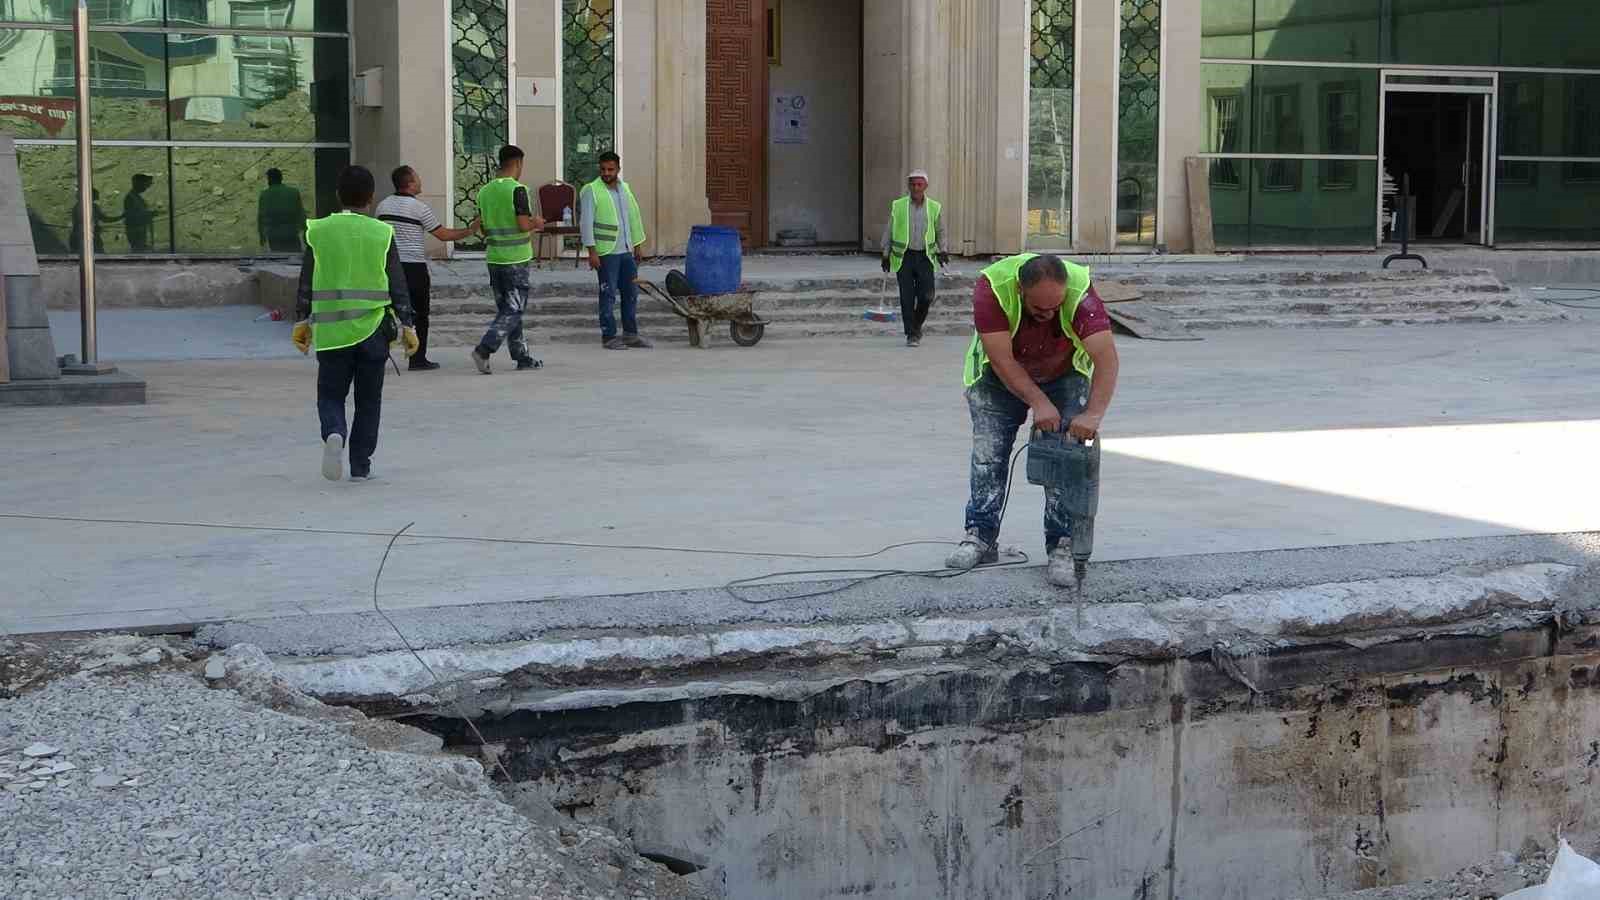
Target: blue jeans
[(360, 366), (996, 415), (617, 273)]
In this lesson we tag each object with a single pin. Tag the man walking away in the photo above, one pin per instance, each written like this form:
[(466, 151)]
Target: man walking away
[(410, 218), (613, 231), (912, 240), (1042, 345), (508, 225), (280, 215), (352, 290), (137, 216)]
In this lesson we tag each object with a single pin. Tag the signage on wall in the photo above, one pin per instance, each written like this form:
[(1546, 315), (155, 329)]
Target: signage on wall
[(791, 120)]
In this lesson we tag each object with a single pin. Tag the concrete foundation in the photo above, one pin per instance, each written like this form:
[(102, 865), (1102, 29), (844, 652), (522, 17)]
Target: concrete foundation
[(113, 389)]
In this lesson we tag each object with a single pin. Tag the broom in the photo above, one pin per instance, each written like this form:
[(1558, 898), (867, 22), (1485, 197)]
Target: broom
[(881, 313)]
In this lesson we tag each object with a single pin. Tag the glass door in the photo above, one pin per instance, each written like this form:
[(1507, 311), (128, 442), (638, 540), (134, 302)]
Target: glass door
[(1437, 132)]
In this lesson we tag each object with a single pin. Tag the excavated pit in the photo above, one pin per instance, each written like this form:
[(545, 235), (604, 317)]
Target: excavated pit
[(1290, 724)]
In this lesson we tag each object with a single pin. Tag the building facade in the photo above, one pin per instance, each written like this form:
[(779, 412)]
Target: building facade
[(1045, 124)]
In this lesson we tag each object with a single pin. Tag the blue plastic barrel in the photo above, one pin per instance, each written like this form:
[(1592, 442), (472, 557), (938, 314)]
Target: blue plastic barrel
[(714, 264)]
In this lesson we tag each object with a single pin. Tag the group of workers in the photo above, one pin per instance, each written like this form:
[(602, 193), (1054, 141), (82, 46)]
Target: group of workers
[(1041, 344)]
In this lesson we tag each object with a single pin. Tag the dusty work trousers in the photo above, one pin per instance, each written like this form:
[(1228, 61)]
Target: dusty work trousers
[(996, 415), (916, 279), (360, 366), (420, 285), (617, 272), (510, 284)]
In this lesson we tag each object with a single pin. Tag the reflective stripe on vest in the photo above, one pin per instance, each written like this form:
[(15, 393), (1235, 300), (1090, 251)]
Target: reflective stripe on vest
[(1002, 277), (606, 226), (349, 278), (900, 231), (507, 244)]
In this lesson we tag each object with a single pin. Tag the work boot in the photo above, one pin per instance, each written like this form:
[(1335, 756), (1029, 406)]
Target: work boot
[(913, 341), (528, 362), (333, 457), (615, 343), (974, 551), (481, 360), (637, 342), (362, 477), (425, 365), (1060, 570)]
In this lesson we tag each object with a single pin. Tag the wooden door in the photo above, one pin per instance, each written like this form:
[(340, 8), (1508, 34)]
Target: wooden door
[(736, 116)]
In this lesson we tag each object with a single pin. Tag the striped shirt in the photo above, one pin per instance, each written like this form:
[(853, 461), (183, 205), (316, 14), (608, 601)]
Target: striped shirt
[(411, 219)]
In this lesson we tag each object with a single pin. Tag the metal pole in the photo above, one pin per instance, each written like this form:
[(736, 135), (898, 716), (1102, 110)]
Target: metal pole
[(86, 208)]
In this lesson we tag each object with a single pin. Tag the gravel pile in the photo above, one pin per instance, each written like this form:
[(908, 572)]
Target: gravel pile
[(1491, 879), (146, 783)]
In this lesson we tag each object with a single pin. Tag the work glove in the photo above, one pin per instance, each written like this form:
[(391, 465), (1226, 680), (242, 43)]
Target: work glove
[(408, 337), (886, 265), (301, 335), (944, 259)]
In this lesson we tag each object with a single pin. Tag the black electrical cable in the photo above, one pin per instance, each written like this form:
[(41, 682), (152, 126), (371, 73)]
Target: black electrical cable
[(1580, 302)]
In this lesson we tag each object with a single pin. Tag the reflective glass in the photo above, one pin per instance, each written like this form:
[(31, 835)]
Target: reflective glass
[(1138, 106), (479, 85), (1547, 202), (258, 88), (1446, 32), (1050, 77), (127, 84), (1550, 33), (132, 191), (145, 13), (1549, 115), (1319, 31), (1293, 202), (1226, 29), (1226, 100), (1283, 109), (588, 86), (262, 15), (225, 200)]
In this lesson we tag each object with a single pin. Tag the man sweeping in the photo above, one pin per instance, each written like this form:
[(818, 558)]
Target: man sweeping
[(1042, 345), (352, 291), (913, 249), (508, 226)]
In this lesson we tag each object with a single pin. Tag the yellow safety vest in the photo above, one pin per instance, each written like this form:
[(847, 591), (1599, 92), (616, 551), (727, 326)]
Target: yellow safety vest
[(349, 278), (1002, 277), (505, 242), (605, 218), (900, 231)]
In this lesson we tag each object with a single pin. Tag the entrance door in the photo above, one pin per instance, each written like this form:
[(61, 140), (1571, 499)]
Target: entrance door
[(736, 116), (1437, 133)]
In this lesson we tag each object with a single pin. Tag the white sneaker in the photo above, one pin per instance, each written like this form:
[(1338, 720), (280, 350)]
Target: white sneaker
[(973, 552), (333, 457)]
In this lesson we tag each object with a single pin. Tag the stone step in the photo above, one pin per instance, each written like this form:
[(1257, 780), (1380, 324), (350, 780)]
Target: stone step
[(1305, 307)]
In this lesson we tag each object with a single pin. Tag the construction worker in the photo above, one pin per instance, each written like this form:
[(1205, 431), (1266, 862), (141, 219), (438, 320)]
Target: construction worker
[(913, 249), (508, 225), (412, 218), (1041, 344), (613, 232), (352, 291)]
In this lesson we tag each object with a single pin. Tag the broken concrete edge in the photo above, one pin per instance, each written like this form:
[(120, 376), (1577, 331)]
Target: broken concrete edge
[(561, 672)]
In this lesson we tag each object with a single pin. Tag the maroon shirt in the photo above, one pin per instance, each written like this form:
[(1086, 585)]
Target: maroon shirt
[(1044, 350)]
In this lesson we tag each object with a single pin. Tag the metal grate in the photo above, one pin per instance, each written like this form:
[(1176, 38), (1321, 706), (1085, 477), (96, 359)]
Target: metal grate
[(588, 90), (1139, 104), (1050, 78), (480, 100)]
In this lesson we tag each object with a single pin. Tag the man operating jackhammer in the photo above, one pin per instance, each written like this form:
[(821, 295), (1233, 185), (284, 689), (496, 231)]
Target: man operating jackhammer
[(1042, 344)]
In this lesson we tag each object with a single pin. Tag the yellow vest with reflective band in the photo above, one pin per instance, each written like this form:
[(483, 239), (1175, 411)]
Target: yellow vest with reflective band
[(605, 217), (1003, 279), (349, 278), (900, 231), (506, 243)]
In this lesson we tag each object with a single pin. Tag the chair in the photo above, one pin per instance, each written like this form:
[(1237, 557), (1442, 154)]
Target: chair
[(554, 198)]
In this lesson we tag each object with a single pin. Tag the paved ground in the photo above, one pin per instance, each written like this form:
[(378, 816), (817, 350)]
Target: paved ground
[(1248, 440)]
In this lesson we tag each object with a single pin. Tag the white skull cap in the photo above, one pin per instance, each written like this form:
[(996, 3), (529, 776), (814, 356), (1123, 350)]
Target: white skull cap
[(918, 173)]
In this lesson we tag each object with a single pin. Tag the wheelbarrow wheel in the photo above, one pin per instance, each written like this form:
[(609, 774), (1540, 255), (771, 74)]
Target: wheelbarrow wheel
[(746, 334)]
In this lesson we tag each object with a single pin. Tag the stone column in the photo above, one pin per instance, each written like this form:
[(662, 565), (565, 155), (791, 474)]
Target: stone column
[(536, 47), (1181, 104), (1095, 71), (680, 124), (30, 351)]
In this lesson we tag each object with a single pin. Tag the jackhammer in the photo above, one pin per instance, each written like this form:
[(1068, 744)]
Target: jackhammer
[(1058, 461)]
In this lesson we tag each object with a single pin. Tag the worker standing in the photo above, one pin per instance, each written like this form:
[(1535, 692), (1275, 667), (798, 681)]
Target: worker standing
[(412, 218), (1041, 344), (352, 291), (508, 225), (913, 249), (612, 231)]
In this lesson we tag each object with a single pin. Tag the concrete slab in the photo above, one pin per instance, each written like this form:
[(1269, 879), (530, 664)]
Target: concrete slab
[(111, 389), (1247, 441)]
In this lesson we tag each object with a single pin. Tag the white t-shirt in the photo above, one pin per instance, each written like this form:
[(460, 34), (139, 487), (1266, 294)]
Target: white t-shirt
[(411, 219)]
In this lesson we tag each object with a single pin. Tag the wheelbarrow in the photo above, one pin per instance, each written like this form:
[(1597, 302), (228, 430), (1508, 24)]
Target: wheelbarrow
[(700, 310)]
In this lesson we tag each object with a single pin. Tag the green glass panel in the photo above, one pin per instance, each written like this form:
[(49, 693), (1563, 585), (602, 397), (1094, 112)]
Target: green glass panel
[(1050, 78), (1315, 110), (144, 13), (1139, 105), (1226, 100), (258, 88), (1230, 202), (1445, 32), (1549, 115), (479, 86), (127, 85), (132, 188), (1294, 202), (224, 204), (261, 15), (1547, 202), (1319, 31), (588, 66), (1226, 27), (1551, 33)]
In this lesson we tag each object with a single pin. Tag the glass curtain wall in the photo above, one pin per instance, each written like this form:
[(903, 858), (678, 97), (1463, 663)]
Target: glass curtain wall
[(1138, 122), (219, 127), (479, 103), (1260, 108), (1050, 125), (588, 86)]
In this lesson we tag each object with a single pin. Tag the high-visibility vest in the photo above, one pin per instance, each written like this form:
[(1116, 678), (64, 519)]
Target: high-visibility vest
[(349, 278), (605, 217), (1002, 277), (900, 231), (507, 244)]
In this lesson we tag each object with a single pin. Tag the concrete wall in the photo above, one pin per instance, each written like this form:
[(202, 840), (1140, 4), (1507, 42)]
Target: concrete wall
[(818, 184)]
